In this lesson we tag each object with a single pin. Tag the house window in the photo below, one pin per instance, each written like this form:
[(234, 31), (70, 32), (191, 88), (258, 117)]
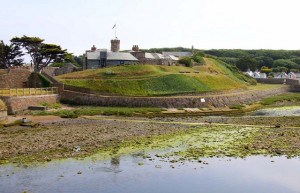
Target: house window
[(122, 62)]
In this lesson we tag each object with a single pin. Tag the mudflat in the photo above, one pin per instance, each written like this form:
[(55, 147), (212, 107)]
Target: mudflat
[(62, 138)]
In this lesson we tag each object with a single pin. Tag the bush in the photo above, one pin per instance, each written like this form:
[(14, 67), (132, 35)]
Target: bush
[(187, 61), (45, 81)]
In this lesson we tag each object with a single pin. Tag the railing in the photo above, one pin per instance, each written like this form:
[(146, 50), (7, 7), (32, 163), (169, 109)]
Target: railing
[(28, 91)]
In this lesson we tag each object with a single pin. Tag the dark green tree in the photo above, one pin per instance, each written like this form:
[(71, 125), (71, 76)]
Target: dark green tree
[(10, 55), (41, 54), (246, 63)]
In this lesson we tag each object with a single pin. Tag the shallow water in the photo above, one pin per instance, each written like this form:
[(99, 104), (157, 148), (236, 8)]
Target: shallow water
[(280, 111), (133, 174)]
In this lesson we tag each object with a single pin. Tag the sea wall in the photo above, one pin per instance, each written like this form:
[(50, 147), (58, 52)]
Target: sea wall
[(171, 102), (16, 104)]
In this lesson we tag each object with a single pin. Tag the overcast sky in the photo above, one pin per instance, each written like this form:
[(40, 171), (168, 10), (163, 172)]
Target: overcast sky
[(76, 25)]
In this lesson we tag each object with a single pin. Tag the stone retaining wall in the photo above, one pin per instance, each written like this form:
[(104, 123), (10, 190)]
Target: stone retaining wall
[(171, 102), (16, 104), (270, 80), (3, 115), (15, 78)]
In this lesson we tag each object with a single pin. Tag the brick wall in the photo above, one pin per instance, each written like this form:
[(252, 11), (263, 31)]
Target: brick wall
[(15, 104), (170, 102), (15, 78)]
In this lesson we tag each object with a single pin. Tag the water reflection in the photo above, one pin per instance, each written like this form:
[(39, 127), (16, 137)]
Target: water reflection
[(123, 174), (280, 111)]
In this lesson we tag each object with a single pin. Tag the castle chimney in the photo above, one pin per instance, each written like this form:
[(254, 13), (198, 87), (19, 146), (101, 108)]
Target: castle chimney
[(135, 48), (115, 45), (94, 48)]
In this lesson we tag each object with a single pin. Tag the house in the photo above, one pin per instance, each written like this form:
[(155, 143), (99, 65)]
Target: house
[(152, 58), (249, 73), (292, 75), (280, 75), (67, 68), (98, 58), (256, 75), (178, 54), (263, 75)]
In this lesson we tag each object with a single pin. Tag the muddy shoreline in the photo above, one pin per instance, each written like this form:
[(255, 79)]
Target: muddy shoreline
[(56, 138)]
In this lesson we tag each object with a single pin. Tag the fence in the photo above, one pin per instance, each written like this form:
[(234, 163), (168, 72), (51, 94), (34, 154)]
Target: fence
[(28, 91)]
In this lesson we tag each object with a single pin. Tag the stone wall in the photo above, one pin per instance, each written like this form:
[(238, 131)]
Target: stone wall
[(171, 102), (270, 80), (16, 104), (15, 78), (292, 82)]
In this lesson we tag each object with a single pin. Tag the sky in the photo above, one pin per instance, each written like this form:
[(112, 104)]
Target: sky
[(76, 25)]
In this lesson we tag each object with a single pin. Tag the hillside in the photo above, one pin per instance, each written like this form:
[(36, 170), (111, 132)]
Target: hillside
[(154, 80)]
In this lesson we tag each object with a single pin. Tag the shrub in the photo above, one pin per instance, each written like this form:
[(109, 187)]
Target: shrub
[(45, 81), (187, 61)]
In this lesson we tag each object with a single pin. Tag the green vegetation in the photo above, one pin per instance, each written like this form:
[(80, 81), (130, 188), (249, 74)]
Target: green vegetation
[(226, 141), (292, 97), (52, 105), (279, 60), (45, 81), (153, 80), (90, 111), (187, 61), (237, 106)]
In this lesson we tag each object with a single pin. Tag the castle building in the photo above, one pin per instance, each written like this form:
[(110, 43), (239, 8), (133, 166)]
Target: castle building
[(99, 58)]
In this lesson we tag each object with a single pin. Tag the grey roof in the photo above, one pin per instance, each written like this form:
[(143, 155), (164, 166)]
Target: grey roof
[(93, 55), (178, 54), (111, 56), (158, 56), (149, 55), (173, 57), (121, 56)]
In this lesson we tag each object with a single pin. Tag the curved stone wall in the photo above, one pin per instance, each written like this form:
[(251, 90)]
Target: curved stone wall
[(171, 102)]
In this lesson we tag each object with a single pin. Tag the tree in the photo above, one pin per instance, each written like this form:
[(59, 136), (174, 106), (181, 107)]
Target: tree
[(10, 55), (286, 63), (198, 58), (187, 61), (246, 63), (41, 54)]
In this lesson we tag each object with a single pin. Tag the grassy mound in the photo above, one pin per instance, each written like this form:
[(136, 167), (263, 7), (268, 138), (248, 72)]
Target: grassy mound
[(154, 80)]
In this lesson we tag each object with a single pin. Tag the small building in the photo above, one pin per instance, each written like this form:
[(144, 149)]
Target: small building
[(67, 68), (99, 58), (256, 75), (153, 58), (178, 54), (263, 75), (282, 75), (249, 73), (292, 75)]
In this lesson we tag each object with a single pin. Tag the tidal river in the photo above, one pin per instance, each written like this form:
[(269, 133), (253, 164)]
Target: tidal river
[(135, 174)]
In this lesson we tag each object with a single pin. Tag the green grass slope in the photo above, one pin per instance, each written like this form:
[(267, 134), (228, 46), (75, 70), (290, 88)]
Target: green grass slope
[(154, 80)]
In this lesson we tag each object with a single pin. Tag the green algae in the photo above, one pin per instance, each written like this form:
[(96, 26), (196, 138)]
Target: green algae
[(188, 145)]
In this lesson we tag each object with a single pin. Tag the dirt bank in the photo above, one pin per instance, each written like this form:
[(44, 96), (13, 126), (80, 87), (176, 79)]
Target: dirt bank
[(61, 138)]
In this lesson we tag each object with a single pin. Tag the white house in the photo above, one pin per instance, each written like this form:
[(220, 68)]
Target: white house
[(256, 75), (280, 75), (249, 73), (292, 75)]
